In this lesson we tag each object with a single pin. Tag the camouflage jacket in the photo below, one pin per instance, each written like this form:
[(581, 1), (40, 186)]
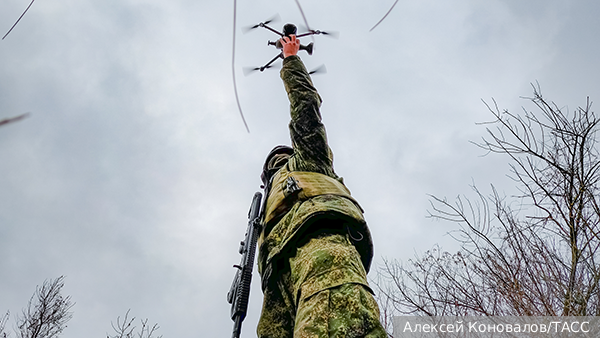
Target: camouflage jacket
[(322, 193)]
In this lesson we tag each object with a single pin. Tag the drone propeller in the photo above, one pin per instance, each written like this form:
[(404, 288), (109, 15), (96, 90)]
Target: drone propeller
[(274, 18), (251, 70), (331, 34), (319, 70)]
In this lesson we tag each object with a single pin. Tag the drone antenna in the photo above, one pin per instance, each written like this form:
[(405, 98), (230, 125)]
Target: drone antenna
[(386, 14), (19, 19), (237, 99)]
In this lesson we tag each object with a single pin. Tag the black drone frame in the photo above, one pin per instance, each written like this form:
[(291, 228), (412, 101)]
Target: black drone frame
[(288, 29)]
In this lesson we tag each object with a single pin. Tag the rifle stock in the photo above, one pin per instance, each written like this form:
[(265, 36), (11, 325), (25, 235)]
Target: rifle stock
[(240, 288)]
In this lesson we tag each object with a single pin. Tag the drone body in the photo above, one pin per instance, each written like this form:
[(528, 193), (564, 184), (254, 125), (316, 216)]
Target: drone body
[(288, 29)]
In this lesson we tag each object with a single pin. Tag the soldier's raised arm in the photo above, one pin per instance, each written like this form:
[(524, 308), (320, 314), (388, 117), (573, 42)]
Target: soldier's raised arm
[(309, 139)]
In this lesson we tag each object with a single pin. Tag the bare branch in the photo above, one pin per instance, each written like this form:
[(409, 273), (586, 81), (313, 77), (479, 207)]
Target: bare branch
[(126, 329), (13, 119), (47, 314), (534, 254), (3, 320), (385, 16), (19, 19)]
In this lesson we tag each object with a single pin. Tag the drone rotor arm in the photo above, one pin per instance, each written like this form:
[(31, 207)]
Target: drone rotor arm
[(271, 29), (307, 34), (332, 34), (274, 18), (268, 65)]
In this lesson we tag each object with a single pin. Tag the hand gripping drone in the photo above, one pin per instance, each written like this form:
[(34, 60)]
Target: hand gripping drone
[(288, 29)]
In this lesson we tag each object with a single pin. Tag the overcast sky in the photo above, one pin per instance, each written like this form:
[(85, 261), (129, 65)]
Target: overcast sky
[(134, 172)]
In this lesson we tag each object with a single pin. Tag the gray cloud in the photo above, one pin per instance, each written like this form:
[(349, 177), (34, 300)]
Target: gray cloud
[(133, 174)]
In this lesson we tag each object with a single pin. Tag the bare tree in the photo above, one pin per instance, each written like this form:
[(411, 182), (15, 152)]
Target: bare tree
[(386, 309), (47, 313), (3, 320), (536, 253), (126, 328)]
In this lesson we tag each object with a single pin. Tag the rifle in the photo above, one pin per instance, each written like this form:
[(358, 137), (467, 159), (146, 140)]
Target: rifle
[(240, 288)]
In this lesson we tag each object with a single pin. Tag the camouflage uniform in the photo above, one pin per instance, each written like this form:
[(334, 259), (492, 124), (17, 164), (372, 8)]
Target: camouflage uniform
[(315, 248)]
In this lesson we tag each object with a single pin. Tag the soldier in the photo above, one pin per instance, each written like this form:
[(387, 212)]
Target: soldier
[(315, 248)]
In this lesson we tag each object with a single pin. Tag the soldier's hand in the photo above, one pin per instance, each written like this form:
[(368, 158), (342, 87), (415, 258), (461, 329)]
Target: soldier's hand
[(291, 45)]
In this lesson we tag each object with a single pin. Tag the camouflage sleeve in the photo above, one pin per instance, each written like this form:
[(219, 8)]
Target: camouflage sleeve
[(309, 140)]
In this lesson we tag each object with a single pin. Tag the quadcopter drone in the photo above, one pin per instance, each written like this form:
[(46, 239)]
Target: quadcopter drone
[(288, 29)]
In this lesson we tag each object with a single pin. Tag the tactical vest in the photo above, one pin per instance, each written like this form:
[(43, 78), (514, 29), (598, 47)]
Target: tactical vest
[(296, 198), (288, 187)]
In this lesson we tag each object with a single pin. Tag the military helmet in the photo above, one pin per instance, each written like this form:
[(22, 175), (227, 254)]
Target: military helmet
[(268, 169)]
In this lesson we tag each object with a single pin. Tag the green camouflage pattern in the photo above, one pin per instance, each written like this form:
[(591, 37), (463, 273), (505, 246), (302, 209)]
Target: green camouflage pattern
[(281, 237), (323, 294), (324, 262), (346, 311), (313, 260)]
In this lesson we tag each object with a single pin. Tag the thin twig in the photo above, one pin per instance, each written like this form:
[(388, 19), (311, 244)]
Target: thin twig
[(237, 99), (386, 14), (13, 26), (13, 119), (304, 18)]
